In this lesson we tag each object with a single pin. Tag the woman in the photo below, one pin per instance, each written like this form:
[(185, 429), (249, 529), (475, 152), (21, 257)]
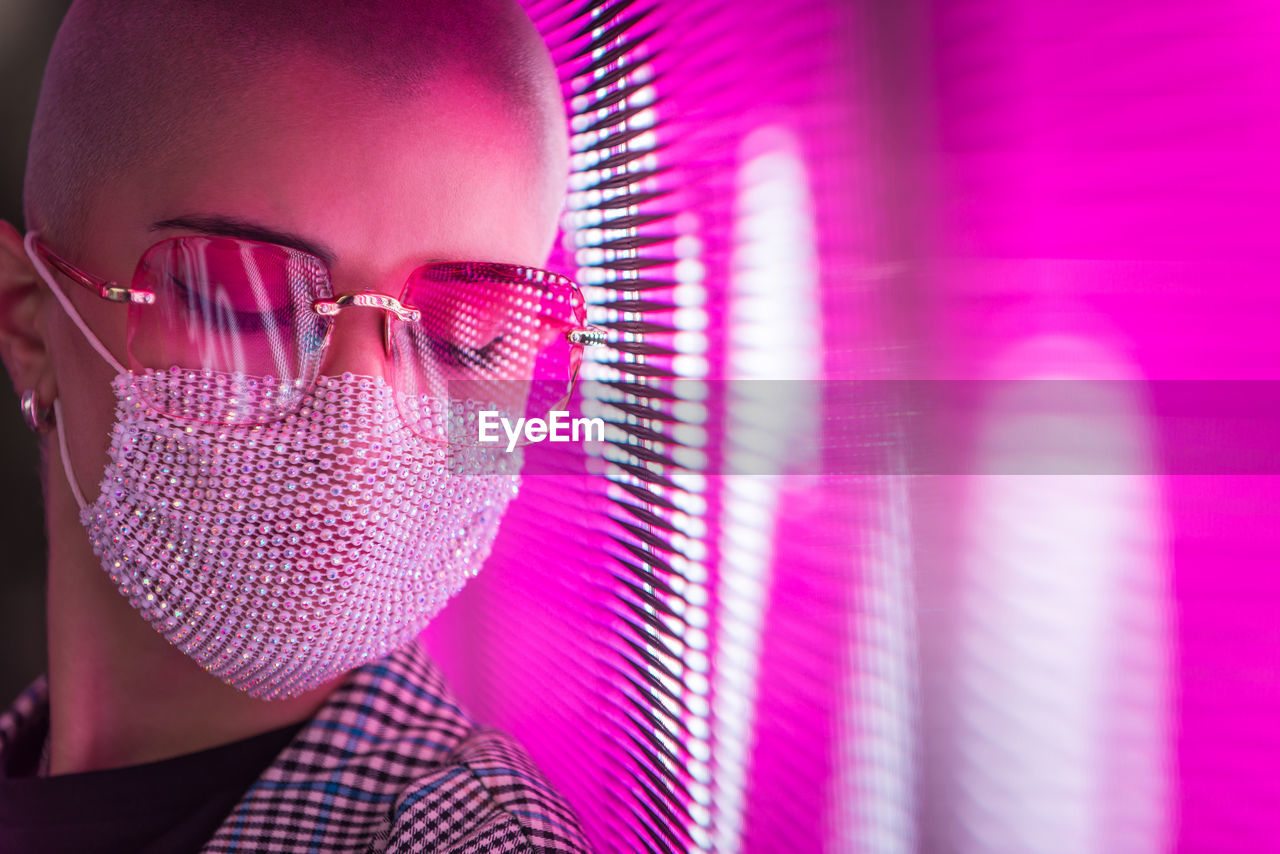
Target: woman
[(263, 242)]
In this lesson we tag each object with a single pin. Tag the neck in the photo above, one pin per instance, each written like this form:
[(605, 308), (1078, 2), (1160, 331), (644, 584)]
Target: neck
[(119, 693)]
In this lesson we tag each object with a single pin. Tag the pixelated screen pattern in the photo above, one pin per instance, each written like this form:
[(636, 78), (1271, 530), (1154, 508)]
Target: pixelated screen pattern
[(717, 635)]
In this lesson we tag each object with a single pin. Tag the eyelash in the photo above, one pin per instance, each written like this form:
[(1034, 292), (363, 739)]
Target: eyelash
[(485, 357), (245, 321)]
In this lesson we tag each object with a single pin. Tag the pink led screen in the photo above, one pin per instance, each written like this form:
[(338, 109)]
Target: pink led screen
[(934, 511), (927, 520)]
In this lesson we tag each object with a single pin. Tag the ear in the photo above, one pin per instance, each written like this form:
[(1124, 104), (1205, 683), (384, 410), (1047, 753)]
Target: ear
[(23, 345)]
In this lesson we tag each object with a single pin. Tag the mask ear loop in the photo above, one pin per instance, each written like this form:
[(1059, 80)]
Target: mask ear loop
[(64, 301), (66, 459), (29, 244)]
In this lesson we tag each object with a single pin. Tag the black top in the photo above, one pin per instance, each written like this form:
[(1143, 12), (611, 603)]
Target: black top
[(168, 807)]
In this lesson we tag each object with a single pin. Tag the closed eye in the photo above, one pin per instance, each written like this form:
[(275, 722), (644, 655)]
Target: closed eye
[(221, 313), (485, 358)]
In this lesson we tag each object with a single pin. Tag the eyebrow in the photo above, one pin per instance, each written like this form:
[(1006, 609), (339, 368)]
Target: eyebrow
[(229, 226)]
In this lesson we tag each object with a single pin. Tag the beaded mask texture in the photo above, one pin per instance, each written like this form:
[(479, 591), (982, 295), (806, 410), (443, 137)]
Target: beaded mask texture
[(280, 555)]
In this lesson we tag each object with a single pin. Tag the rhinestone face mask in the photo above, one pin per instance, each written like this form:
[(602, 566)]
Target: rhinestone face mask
[(278, 556)]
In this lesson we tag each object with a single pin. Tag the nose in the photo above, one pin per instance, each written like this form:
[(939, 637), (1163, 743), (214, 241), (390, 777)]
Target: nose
[(358, 342)]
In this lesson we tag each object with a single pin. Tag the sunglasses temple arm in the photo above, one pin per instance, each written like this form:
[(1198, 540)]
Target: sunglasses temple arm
[(103, 288), (37, 258), (586, 336)]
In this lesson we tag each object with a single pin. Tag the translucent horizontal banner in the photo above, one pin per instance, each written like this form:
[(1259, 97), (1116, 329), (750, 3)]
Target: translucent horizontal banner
[(929, 427)]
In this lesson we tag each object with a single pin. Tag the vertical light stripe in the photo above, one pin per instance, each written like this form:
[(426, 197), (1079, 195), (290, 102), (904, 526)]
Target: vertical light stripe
[(1060, 704), (872, 805), (774, 346)]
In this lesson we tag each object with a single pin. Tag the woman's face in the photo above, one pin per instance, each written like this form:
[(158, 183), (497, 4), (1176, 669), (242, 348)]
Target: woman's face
[(383, 187)]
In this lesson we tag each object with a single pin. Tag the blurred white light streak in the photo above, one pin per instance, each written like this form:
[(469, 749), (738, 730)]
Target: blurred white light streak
[(775, 261), (1061, 674), (677, 688), (872, 803)]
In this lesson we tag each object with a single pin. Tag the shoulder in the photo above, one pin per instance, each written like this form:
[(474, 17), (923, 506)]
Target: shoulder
[(32, 704), (487, 797), (23, 726), (392, 763)]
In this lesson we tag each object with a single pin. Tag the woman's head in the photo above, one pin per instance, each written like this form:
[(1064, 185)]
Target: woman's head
[(378, 135), (389, 133)]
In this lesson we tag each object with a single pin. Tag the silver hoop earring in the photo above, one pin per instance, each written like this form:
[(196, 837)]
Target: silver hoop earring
[(39, 420)]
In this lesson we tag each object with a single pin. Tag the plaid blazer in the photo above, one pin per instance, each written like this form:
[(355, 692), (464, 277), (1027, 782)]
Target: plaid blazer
[(389, 764)]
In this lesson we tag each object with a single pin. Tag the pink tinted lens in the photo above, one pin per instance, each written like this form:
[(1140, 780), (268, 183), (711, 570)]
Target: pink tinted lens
[(492, 337), (236, 312)]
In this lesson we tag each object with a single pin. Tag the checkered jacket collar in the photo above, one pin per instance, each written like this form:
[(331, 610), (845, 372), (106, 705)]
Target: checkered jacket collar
[(389, 763)]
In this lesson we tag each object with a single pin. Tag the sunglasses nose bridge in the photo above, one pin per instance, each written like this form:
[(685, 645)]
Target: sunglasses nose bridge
[(359, 338)]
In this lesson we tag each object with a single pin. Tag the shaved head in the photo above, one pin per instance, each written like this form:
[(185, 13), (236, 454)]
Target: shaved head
[(126, 79), (379, 135)]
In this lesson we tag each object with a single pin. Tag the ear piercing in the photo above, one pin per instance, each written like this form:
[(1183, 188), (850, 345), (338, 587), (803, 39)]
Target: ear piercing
[(38, 420)]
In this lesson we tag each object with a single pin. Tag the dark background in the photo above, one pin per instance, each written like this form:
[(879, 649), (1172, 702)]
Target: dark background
[(27, 28)]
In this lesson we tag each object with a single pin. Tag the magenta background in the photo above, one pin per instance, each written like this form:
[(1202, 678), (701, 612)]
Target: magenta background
[(1110, 170), (984, 172)]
